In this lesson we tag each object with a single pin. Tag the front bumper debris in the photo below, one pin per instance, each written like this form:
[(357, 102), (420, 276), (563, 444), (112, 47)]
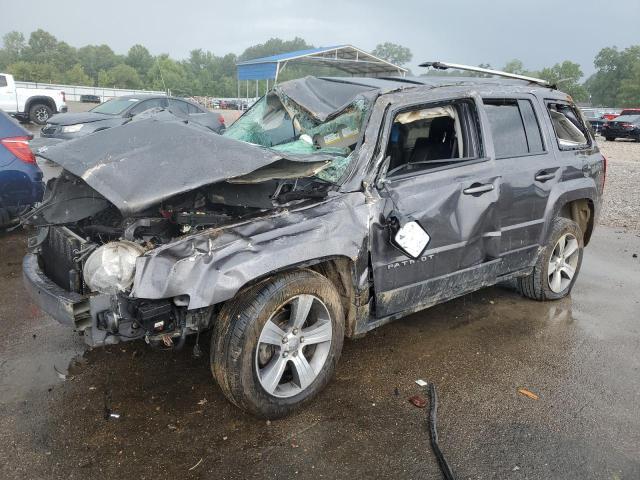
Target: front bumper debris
[(69, 308)]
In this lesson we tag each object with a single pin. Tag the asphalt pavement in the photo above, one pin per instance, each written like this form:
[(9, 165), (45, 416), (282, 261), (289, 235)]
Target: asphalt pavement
[(580, 356)]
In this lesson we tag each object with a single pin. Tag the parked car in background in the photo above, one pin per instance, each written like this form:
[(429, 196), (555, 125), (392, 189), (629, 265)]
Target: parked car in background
[(624, 126), (89, 98), (595, 119), (20, 177), (330, 208), (610, 115), (630, 111), (121, 110), (34, 104)]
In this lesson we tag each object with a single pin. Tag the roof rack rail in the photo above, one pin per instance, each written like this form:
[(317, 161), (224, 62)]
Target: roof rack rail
[(499, 73)]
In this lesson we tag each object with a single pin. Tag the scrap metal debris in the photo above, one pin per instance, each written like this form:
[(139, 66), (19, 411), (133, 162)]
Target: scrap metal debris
[(108, 412), (528, 393), (61, 375), (418, 400), (196, 465)]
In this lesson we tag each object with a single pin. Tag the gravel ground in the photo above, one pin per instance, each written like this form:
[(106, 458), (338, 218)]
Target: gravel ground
[(621, 207)]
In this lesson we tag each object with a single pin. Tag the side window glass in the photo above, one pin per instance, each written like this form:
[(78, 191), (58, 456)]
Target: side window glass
[(3, 81), (507, 128), (568, 126), (514, 127), (178, 106), (432, 137), (148, 105), (531, 127), (194, 109)]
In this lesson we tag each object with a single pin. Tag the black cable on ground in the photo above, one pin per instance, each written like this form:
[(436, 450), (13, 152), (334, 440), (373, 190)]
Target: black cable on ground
[(447, 473)]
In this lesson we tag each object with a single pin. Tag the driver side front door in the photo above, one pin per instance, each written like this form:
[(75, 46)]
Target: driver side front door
[(454, 200)]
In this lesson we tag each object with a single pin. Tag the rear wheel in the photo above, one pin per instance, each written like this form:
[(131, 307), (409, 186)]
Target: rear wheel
[(276, 345), (39, 113), (610, 139), (558, 265)]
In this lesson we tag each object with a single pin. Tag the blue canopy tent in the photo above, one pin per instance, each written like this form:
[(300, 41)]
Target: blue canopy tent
[(347, 58)]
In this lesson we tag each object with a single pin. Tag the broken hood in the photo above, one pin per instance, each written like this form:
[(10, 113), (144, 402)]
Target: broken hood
[(138, 165)]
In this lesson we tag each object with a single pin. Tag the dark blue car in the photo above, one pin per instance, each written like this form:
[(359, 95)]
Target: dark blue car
[(20, 177)]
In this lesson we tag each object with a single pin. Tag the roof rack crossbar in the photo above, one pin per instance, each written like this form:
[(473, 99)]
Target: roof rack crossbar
[(499, 73)]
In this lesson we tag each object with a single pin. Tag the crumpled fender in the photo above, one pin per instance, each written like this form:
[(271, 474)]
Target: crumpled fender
[(212, 266)]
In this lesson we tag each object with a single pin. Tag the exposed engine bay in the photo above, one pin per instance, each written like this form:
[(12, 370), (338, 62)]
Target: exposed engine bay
[(70, 201), (86, 245)]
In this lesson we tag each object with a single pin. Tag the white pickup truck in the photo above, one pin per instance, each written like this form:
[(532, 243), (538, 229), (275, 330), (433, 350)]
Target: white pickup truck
[(35, 104)]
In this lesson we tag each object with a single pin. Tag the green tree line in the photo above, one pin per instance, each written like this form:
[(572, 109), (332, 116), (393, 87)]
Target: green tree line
[(43, 58)]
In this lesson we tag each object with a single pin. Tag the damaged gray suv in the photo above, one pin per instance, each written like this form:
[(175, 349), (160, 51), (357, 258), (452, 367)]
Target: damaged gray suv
[(333, 206)]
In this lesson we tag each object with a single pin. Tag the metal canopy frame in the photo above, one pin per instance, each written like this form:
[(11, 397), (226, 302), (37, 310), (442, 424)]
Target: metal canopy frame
[(347, 58)]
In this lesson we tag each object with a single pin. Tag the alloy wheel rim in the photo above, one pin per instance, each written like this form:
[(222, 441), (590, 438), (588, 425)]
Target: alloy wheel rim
[(42, 115), (563, 262), (293, 346)]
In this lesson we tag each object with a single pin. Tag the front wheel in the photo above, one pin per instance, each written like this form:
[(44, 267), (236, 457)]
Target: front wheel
[(276, 345), (558, 265), (610, 139), (39, 113)]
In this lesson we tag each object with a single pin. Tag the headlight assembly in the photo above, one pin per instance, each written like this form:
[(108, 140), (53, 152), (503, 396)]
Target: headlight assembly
[(111, 268), (72, 128)]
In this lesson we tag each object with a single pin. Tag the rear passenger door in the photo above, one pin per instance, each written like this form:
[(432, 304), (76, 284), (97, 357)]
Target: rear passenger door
[(529, 170)]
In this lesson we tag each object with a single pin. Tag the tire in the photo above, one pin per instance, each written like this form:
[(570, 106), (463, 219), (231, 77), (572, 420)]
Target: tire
[(39, 113), (542, 283), (610, 139), (246, 349)]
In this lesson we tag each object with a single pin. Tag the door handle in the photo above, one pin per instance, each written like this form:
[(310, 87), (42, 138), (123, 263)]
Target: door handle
[(478, 188), (544, 176)]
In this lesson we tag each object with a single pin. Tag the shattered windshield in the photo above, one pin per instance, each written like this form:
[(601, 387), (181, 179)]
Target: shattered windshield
[(281, 125)]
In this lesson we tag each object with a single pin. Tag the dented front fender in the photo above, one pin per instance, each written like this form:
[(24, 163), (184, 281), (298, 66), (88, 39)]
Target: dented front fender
[(212, 266)]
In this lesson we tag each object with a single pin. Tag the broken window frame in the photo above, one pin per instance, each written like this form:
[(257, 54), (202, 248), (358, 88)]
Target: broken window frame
[(581, 127), (472, 132)]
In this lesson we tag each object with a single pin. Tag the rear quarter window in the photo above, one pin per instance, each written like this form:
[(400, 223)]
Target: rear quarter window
[(568, 125)]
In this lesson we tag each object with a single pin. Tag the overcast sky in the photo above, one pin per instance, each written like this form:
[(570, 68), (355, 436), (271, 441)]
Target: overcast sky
[(540, 33)]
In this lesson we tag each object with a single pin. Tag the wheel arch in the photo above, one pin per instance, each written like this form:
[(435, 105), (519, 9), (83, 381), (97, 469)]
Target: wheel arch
[(582, 212), (339, 270), (48, 101), (576, 200)]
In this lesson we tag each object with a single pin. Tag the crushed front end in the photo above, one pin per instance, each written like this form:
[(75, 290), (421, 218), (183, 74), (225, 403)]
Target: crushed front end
[(154, 224)]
